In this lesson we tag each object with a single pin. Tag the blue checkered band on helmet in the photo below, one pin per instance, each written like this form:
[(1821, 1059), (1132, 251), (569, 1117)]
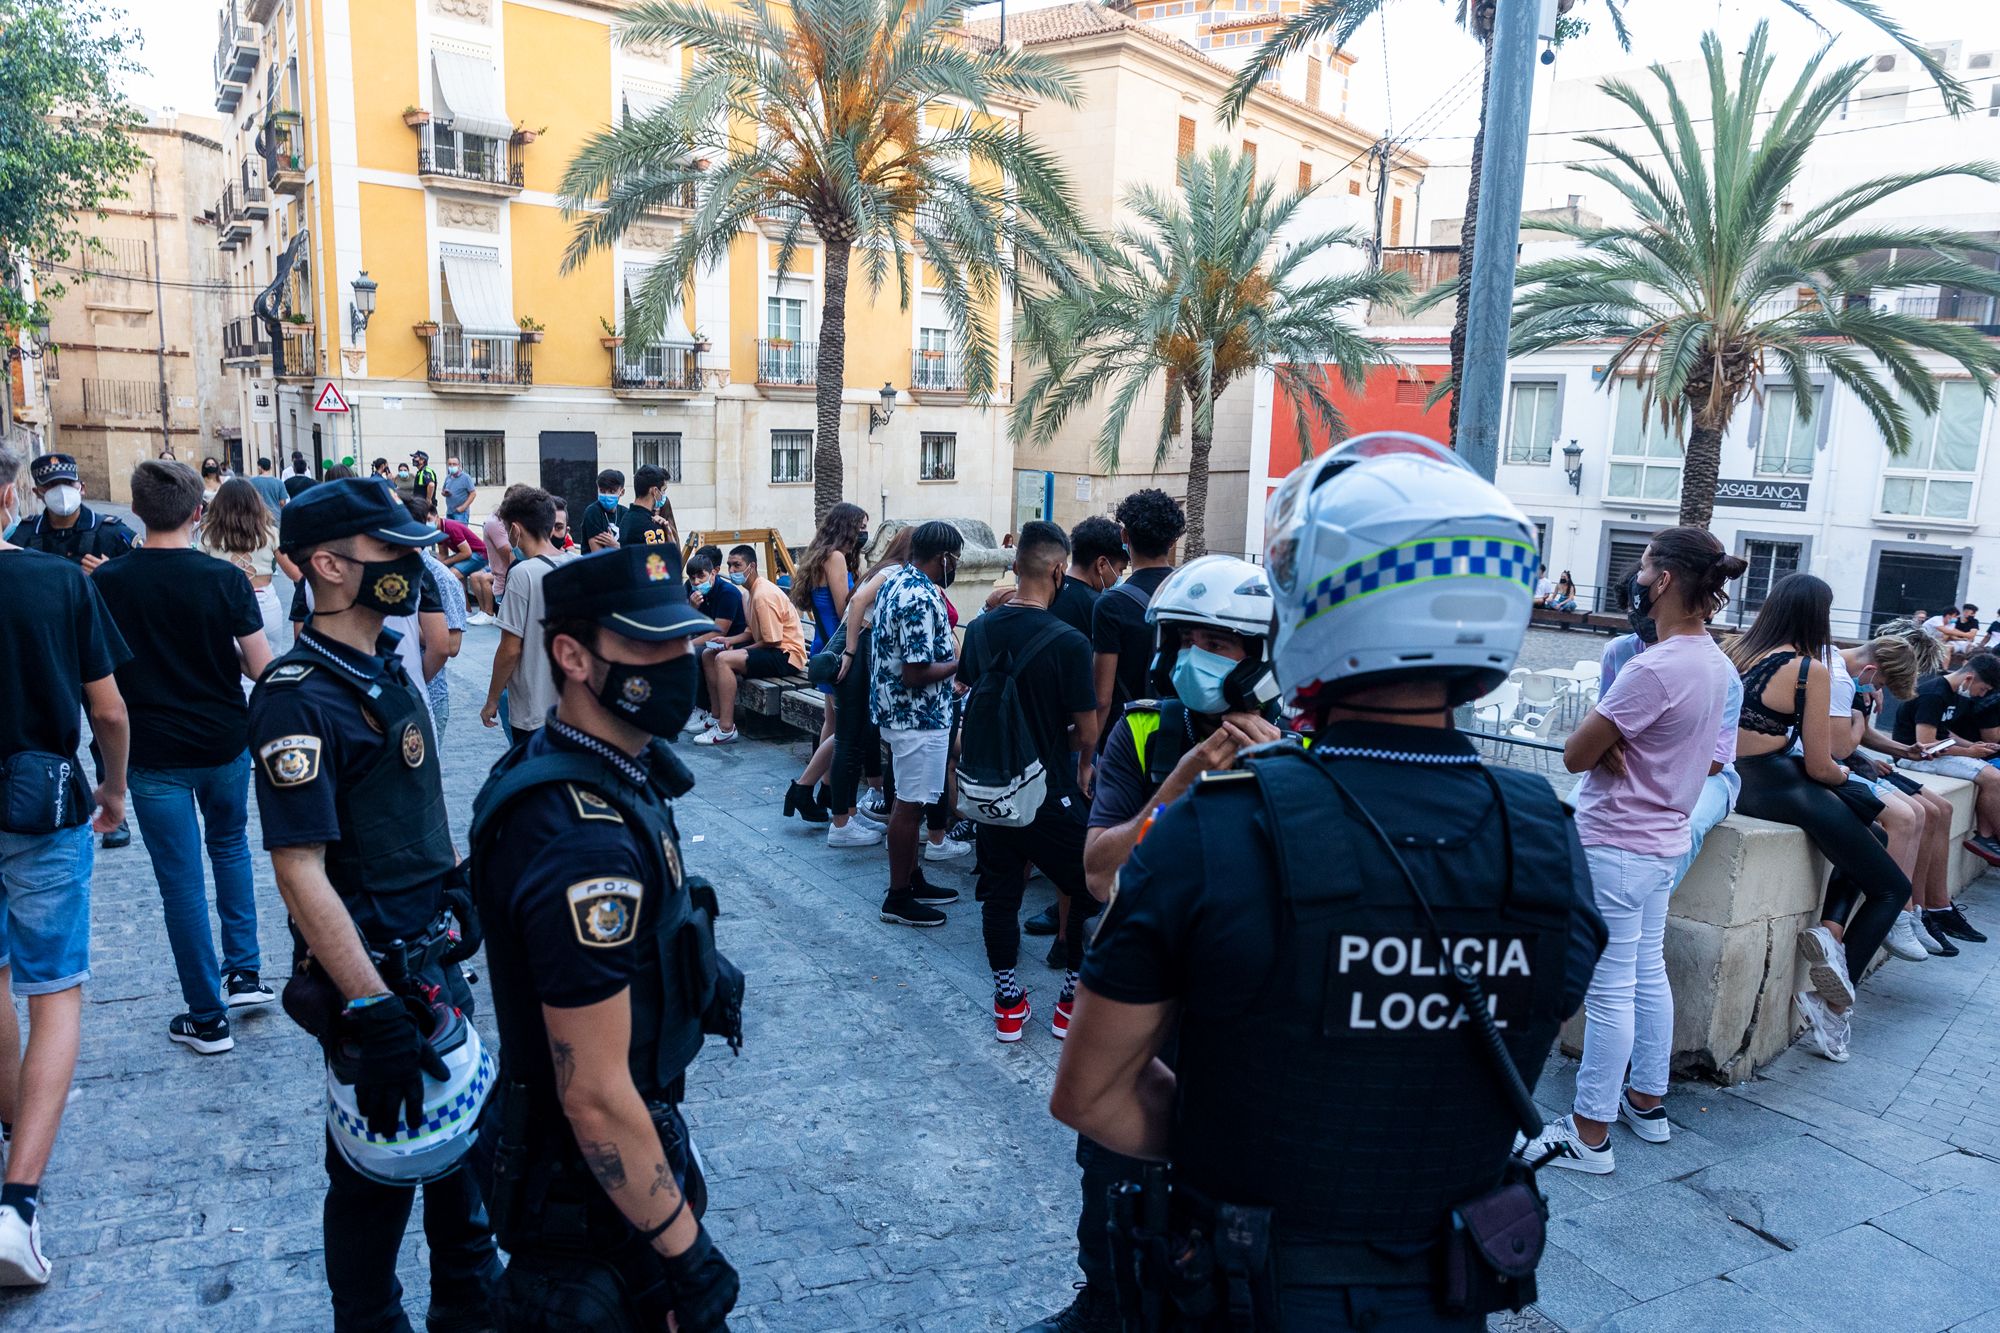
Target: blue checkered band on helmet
[(1421, 562), (445, 1115)]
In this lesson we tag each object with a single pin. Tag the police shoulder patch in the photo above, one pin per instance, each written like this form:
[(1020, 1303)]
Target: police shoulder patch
[(605, 912), (289, 674), (589, 805), (290, 761)]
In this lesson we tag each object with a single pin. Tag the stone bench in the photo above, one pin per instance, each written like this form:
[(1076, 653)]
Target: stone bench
[(767, 696), (1732, 938)]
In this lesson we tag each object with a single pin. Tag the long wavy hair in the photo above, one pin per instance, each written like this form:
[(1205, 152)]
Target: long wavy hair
[(1797, 615), (237, 521), (840, 531)]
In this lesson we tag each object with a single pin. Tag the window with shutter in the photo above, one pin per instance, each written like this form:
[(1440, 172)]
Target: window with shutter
[(1305, 175), (1187, 137), (1312, 81), (1395, 222), (1250, 151), (1411, 393)]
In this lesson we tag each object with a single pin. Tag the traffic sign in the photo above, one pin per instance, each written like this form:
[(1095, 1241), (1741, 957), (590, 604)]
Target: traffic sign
[(330, 399)]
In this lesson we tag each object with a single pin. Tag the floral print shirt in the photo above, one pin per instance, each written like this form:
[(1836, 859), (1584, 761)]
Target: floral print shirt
[(911, 625)]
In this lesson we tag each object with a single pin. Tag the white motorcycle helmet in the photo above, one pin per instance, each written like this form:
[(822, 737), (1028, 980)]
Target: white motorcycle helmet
[(412, 1156), (1220, 592), (1390, 557)]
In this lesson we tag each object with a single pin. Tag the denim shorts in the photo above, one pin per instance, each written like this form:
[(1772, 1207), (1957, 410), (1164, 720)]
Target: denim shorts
[(45, 891), (471, 565)]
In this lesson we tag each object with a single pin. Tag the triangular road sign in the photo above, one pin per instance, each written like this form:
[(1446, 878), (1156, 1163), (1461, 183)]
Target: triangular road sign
[(330, 399)]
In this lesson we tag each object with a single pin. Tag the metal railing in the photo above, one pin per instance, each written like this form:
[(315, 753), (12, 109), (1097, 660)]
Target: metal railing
[(108, 399), (294, 353), (787, 361), (244, 339), (680, 198), (235, 50), (937, 371), (656, 366), (1951, 308), (458, 357), (467, 157), (283, 142)]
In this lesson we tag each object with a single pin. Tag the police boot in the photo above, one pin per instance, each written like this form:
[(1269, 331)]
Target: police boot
[(1095, 1310)]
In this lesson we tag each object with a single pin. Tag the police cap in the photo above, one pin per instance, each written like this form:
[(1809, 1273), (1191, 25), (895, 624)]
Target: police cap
[(50, 469), (350, 506), (634, 591)]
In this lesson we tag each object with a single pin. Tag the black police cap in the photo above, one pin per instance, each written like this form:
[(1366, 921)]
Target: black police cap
[(50, 469), (350, 506), (634, 591)]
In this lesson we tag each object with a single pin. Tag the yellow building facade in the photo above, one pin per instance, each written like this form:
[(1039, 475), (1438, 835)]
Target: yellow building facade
[(418, 146)]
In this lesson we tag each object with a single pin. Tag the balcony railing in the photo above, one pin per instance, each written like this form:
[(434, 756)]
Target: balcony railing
[(1955, 307), (253, 198), (116, 400), (293, 357), (679, 198), (283, 143), (786, 361), (235, 50), (458, 357), (937, 372), (244, 339), (467, 157), (667, 367), (231, 227)]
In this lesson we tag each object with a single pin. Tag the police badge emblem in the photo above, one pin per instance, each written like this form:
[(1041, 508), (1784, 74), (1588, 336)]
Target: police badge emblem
[(392, 589), (605, 912), (636, 690), (656, 568), (290, 761), (413, 745)]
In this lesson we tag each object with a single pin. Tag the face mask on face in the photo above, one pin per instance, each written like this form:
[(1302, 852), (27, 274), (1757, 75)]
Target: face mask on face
[(656, 698), (1198, 678), (388, 586), (608, 501), (701, 588), (451, 468), (739, 577), (64, 500), (861, 541), (950, 571)]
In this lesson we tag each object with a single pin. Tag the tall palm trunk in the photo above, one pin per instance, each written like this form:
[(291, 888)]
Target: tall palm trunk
[(1700, 468), (1196, 542), (1468, 234), (830, 378)]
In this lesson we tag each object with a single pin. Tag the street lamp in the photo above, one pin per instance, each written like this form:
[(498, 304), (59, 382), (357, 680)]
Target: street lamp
[(1573, 465), (363, 305), (878, 417)]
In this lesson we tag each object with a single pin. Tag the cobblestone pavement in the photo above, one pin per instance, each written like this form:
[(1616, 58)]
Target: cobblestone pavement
[(877, 1161)]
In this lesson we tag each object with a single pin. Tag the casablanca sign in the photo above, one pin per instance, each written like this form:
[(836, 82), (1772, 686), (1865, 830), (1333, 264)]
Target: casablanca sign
[(1787, 495)]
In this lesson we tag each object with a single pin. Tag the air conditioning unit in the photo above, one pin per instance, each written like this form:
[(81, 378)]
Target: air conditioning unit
[(1981, 60)]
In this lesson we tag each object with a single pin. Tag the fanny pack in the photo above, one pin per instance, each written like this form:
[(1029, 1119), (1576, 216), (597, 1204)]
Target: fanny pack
[(41, 793)]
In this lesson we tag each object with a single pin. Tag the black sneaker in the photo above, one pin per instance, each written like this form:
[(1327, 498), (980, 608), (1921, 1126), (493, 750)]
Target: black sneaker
[(118, 837), (1093, 1311), (926, 892), (963, 831), (1047, 921), (1986, 849), (1058, 955), (1946, 949), (902, 909), (1951, 920), (244, 989), (210, 1038)]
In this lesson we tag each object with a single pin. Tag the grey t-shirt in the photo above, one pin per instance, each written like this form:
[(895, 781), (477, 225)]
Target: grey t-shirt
[(532, 691), (457, 489)]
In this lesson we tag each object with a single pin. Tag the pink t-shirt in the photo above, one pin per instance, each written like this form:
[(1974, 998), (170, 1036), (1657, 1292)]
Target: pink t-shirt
[(499, 552), (1667, 703)]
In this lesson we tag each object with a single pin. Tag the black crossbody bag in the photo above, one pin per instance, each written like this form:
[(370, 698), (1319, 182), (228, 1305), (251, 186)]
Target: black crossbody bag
[(41, 793)]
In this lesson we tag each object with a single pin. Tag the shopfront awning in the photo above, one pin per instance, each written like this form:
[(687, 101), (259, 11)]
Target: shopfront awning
[(479, 297), (469, 93)]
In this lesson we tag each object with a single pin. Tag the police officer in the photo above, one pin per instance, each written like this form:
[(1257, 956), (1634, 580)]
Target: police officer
[(1217, 693), (353, 809), (604, 969), (1366, 948)]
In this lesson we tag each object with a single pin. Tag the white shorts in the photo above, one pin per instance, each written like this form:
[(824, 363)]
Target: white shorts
[(1949, 766), (920, 758)]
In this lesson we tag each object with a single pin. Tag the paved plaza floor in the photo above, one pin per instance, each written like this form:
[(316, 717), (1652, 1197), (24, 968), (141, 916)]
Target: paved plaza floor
[(878, 1161)]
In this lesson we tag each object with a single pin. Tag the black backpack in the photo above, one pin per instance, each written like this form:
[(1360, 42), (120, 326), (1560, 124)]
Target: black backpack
[(1001, 780)]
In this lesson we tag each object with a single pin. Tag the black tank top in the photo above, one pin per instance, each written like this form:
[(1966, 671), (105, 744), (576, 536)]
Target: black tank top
[(1760, 717)]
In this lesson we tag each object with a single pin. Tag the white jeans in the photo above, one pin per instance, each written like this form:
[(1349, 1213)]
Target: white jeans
[(1629, 1009)]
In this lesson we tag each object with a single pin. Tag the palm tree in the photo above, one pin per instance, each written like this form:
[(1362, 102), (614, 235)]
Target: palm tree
[(1717, 284), (867, 124), (1339, 20), (1207, 290)]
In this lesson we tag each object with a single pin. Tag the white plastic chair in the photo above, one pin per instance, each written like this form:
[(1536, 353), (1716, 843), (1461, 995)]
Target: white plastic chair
[(1519, 674), (1496, 710), (1535, 727), (1539, 691)]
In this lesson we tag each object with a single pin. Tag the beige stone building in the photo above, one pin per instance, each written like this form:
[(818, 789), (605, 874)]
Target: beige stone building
[(1148, 97), (138, 329)]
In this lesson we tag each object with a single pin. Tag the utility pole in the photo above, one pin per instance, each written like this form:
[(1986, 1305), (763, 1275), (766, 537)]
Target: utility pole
[(1380, 153), (159, 315), (1502, 177)]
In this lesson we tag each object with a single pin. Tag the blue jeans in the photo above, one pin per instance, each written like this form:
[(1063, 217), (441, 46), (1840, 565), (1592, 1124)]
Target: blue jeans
[(45, 889), (165, 801), (1710, 809)]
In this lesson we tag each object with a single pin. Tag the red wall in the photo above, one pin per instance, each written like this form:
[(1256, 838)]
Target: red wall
[(1375, 408)]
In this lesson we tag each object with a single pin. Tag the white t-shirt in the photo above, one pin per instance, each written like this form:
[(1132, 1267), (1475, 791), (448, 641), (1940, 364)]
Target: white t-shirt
[(1935, 627), (1545, 589), (1840, 698), (531, 693)]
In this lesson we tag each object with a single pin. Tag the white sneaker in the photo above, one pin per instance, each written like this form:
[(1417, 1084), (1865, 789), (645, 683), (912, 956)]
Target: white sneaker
[(480, 618), (1571, 1152), (854, 833), (1827, 966), (22, 1263), (1828, 1031), (1652, 1126), (948, 850), (873, 821), (700, 720), (1902, 941), (716, 736)]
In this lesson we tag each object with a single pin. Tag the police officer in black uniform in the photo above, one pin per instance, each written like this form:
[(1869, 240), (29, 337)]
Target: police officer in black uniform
[(604, 969), (352, 802), (1366, 948)]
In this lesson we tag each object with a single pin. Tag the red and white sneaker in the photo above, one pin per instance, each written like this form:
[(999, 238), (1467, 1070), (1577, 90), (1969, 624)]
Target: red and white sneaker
[(1010, 1021), (1059, 1020)]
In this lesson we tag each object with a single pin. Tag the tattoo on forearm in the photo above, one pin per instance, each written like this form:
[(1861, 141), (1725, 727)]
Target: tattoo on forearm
[(604, 1163), (564, 1057), (663, 1179)]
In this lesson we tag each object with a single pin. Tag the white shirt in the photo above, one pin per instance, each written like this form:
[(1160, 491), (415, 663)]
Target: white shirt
[(1935, 627), (1545, 588)]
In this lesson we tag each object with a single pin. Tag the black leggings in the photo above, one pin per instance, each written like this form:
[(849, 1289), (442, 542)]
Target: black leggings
[(1775, 787), (857, 742)]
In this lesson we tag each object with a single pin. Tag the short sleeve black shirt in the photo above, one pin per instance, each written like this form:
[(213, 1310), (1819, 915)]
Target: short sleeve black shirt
[(1056, 686), (640, 527), (181, 612), (55, 635), (594, 520), (92, 534), (1938, 705), (1118, 625), (296, 485), (1073, 604)]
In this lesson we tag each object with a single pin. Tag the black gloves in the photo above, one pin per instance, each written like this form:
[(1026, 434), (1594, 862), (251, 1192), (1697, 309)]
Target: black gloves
[(702, 1287), (383, 1050)]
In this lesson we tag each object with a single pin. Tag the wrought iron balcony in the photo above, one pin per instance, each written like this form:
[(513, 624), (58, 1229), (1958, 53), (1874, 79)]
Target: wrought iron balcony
[(244, 340), (479, 363), (445, 156), (235, 50), (231, 226), (656, 370), (787, 362), (294, 357), (1952, 307), (936, 373), (282, 143)]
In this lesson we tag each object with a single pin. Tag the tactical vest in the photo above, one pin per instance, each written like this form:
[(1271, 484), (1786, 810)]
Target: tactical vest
[(95, 533), (395, 832), (1159, 736), (1349, 1096), (677, 959)]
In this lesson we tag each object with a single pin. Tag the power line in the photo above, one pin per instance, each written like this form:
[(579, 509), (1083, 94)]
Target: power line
[(1823, 134)]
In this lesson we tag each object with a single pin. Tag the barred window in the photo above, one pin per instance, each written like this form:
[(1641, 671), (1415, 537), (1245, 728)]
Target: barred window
[(482, 453), (662, 449), (937, 458), (791, 455)]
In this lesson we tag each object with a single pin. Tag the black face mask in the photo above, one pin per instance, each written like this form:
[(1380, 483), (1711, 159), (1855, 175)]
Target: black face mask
[(861, 541), (388, 586), (656, 697), (950, 571), (1638, 611)]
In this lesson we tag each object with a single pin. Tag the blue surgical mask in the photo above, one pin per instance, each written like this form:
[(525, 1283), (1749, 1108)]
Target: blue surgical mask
[(1198, 677), (701, 589), (608, 501), (739, 577)]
